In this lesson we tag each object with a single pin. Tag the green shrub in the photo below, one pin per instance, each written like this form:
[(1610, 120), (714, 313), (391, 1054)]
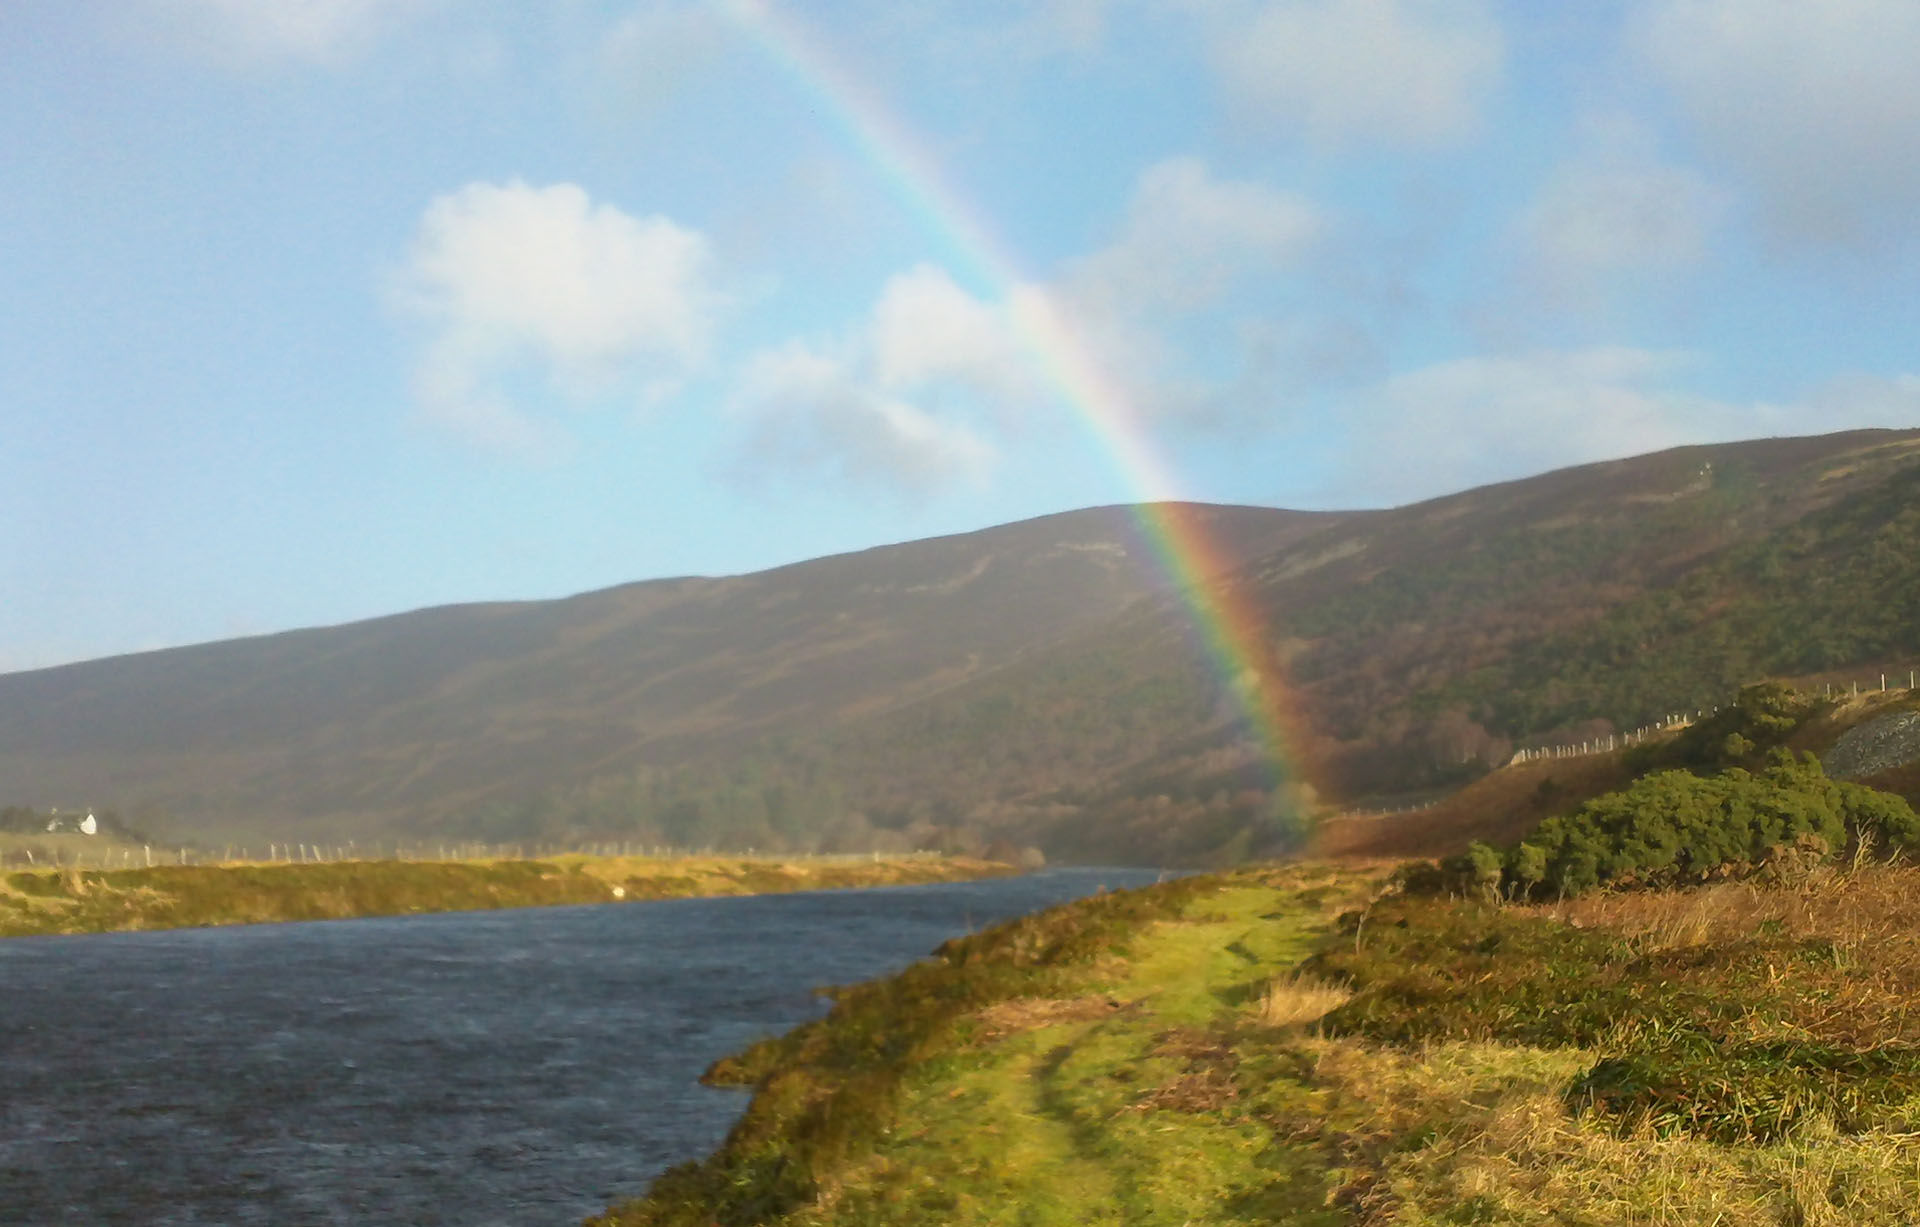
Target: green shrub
[(1761, 718), (1675, 826)]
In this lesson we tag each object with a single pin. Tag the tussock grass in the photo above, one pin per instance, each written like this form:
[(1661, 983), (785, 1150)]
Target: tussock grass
[(1738, 1014), (1480, 1133), (1298, 998), (1872, 903)]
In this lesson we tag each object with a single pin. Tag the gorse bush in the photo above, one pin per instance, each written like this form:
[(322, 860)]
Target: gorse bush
[(1760, 719), (1675, 827)]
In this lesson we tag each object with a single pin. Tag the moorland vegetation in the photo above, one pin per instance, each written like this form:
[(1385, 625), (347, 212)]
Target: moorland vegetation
[(1292, 1047), (1686, 1000)]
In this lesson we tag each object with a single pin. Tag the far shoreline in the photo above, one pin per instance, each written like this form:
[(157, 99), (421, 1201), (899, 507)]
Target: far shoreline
[(50, 902)]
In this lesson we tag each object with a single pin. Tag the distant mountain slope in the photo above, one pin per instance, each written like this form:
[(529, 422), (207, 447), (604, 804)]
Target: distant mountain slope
[(412, 720), (1425, 643), (1036, 682)]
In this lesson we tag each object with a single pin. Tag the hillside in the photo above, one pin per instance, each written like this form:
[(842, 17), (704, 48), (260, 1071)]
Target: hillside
[(411, 721), (1422, 645), (1035, 683), (1504, 805)]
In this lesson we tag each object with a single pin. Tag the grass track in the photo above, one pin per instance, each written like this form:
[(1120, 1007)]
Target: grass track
[(1139, 1081), (1064, 1124)]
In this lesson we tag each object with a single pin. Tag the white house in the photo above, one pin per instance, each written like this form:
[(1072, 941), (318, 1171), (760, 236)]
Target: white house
[(85, 826)]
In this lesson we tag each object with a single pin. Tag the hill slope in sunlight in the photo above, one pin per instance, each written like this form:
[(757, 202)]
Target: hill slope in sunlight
[(1424, 644), (414, 721), (1034, 683)]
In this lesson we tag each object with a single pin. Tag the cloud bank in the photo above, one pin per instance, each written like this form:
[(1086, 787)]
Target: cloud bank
[(529, 294), (929, 389), (1815, 107)]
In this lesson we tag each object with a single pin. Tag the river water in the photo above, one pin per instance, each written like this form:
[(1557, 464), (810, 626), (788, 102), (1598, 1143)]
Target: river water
[(516, 1067)]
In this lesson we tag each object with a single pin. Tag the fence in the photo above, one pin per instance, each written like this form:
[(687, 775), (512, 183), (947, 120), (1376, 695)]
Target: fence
[(1616, 741)]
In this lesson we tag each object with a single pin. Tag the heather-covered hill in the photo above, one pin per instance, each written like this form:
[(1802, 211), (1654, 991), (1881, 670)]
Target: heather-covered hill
[(1032, 684), (1422, 645), (417, 721)]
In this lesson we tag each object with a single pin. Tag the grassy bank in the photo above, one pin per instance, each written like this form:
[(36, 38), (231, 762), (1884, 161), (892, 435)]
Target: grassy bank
[(166, 897), (1282, 1047)]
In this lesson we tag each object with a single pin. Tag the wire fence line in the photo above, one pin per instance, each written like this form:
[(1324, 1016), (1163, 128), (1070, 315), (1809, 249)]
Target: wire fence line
[(1884, 683), (1679, 720)]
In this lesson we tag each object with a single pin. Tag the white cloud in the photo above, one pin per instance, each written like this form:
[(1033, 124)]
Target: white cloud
[(1853, 401), (1612, 211), (1404, 73), (1188, 235), (1815, 105), (1467, 422), (515, 282), (1189, 242), (314, 30), (927, 329), (912, 394), (1470, 421), (808, 410)]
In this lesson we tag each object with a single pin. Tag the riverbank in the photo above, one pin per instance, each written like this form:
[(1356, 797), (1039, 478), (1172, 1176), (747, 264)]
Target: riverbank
[(1286, 1046), (180, 896)]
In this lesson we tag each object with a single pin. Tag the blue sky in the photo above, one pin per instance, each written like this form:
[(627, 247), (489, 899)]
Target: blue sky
[(321, 309)]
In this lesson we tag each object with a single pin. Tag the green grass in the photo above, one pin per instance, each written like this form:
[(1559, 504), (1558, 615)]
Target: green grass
[(1067, 1068), (1129, 1117), (1734, 1055)]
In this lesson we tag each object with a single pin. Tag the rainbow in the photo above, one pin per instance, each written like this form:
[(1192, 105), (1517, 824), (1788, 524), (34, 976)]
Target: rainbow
[(1232, 629)]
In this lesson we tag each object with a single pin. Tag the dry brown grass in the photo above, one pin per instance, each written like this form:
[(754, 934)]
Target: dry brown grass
[(1029, 1013), (1501, 808), (1868, 904), (1501, 1147), (1870, 993), (1295, 999)]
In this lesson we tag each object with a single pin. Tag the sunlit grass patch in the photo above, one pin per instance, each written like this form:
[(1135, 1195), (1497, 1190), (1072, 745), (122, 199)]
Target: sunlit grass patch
[(1300, 998), (1475, 1132), (1699, 1058), (840, 1100), (1037, 1077), (1733, 1014)]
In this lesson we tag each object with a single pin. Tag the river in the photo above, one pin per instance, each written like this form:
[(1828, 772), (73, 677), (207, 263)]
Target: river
[(516, 1067)]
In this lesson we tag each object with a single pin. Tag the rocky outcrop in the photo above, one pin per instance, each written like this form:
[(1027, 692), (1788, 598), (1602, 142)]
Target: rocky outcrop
[(1891, 741)]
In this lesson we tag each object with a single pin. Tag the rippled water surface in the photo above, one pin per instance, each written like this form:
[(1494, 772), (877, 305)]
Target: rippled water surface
[(518, 1067)]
